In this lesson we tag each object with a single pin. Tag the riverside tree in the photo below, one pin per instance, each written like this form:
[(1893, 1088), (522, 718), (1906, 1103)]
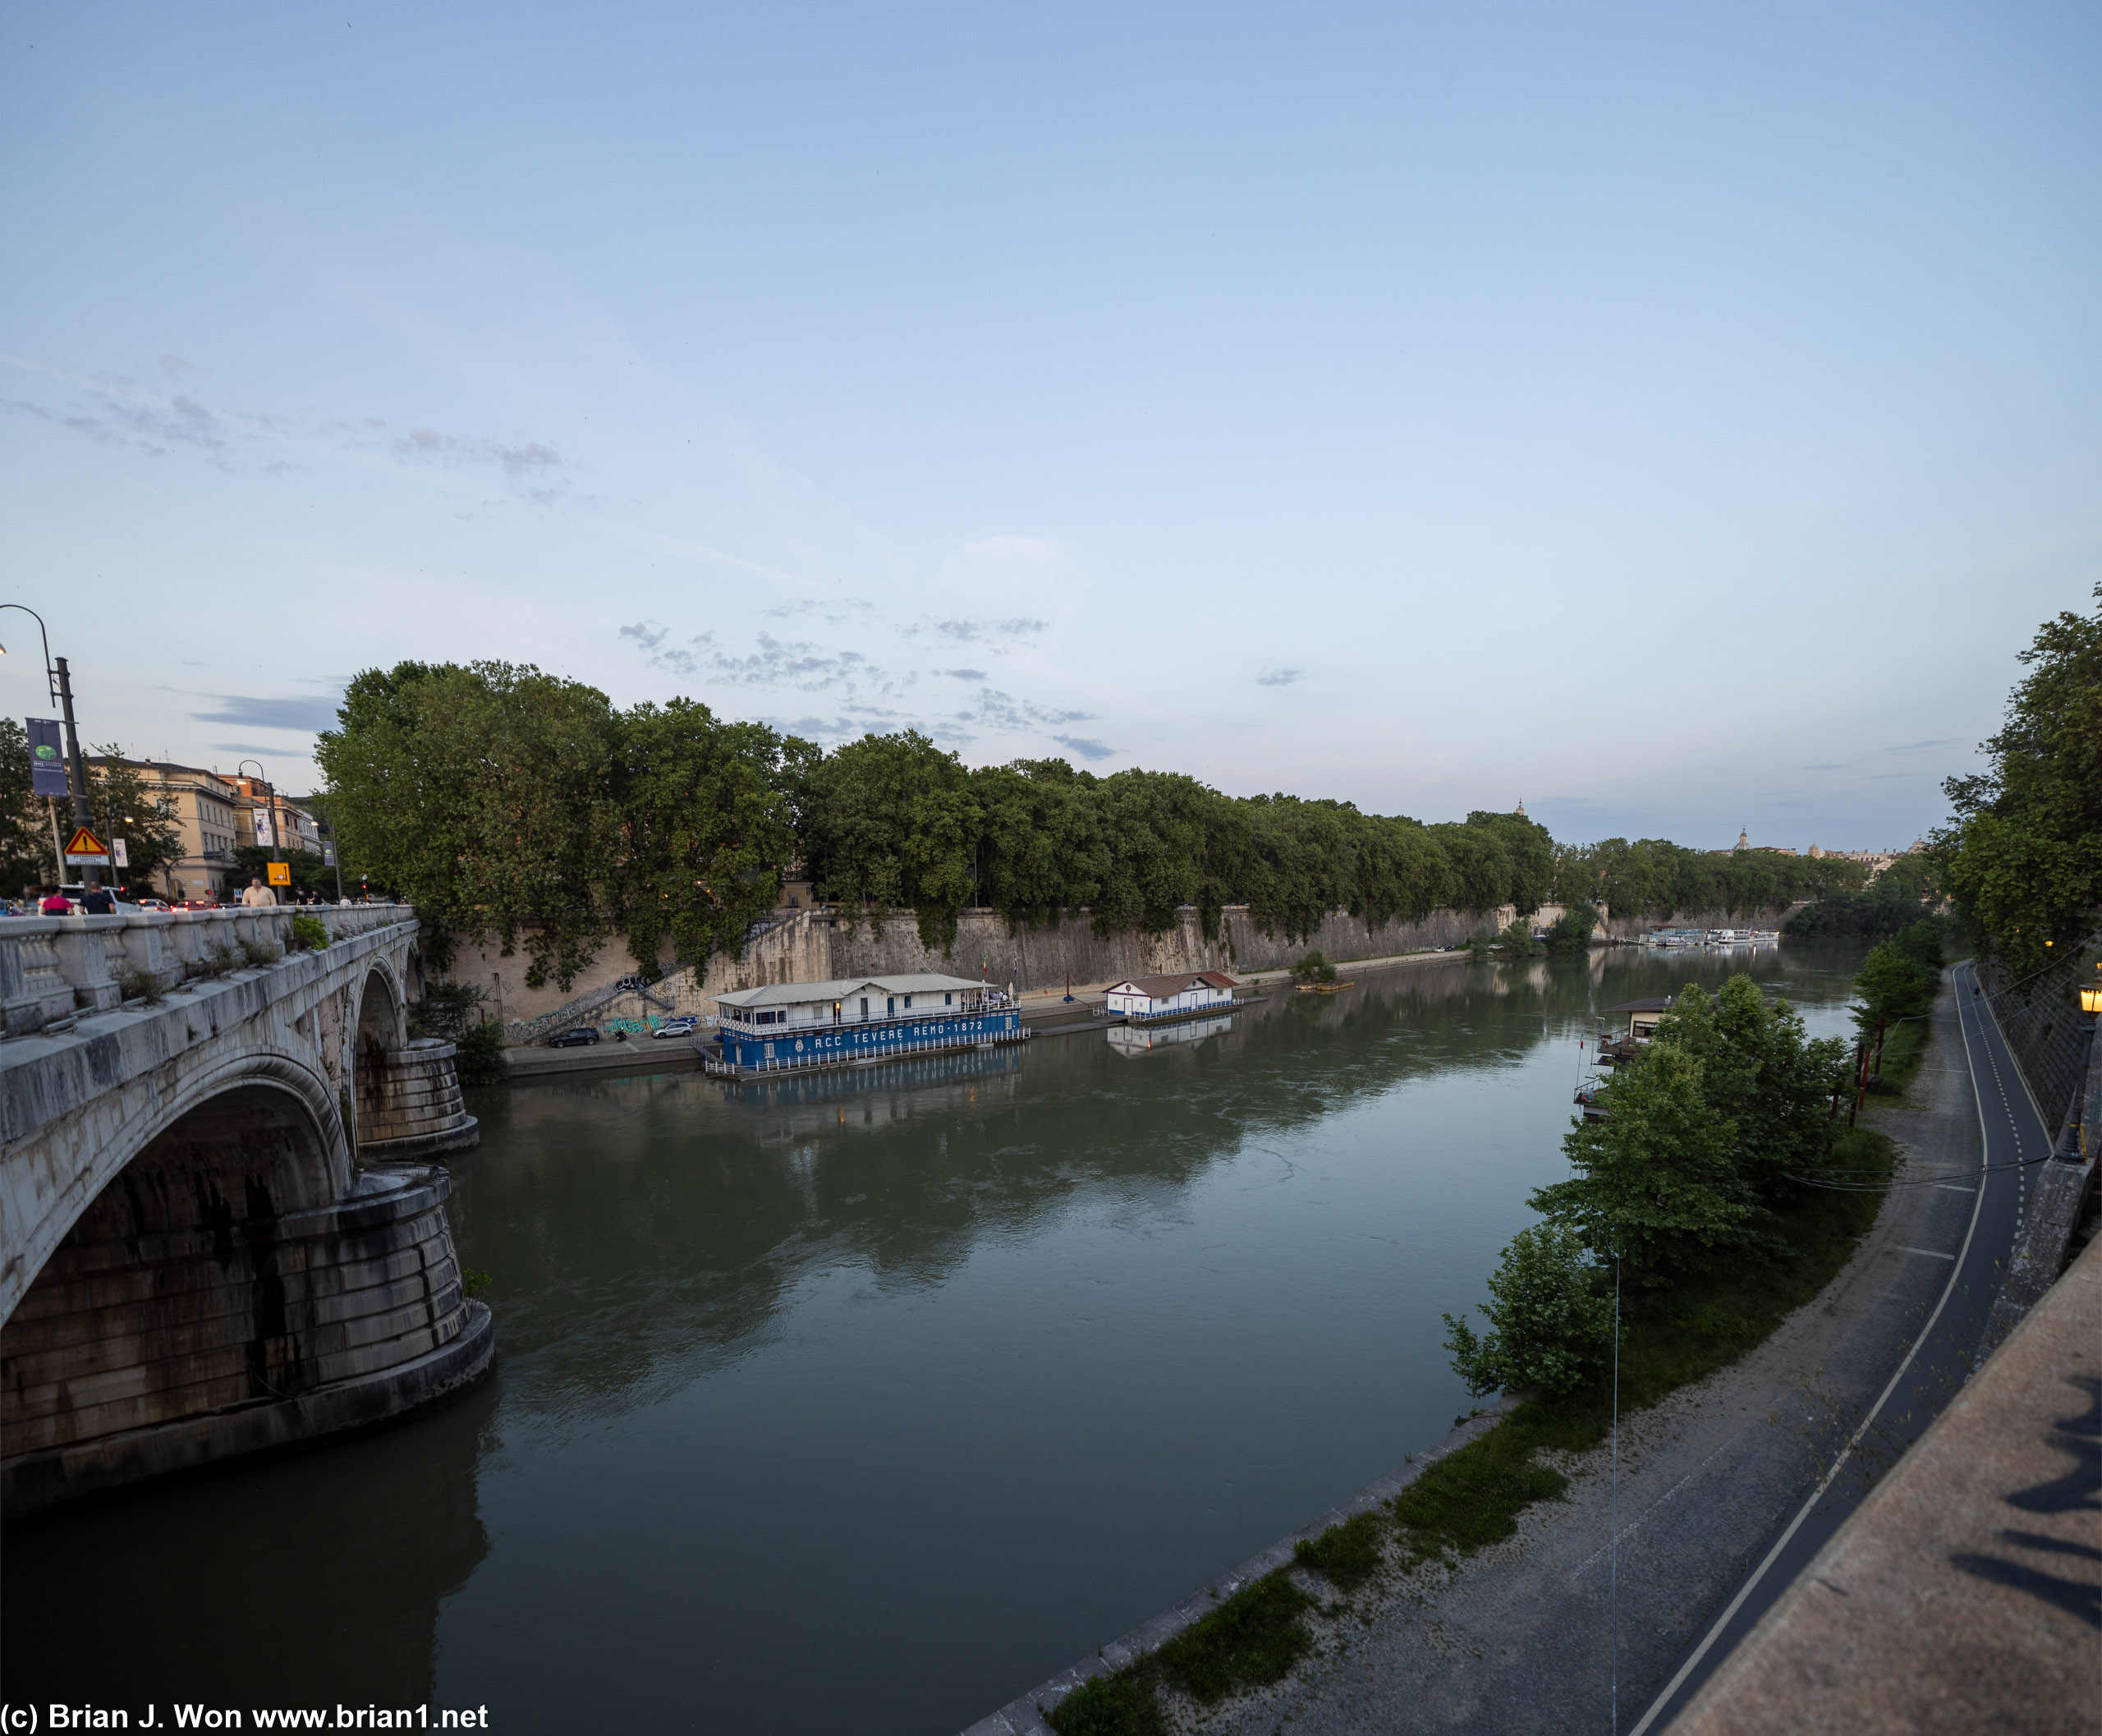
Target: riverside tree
[(890, 823), (1761, 1074), (2022, 860), (481, 793), (1550, 1316), (1656, 1183), (705, 819)]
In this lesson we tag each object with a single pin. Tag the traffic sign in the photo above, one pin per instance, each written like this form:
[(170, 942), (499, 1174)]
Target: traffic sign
[(278, 873), (87, 850)]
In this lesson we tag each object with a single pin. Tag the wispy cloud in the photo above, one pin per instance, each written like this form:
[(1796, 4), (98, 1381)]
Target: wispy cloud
[(962, 674), (1087, 747), (1279, 678), (970, 630), (161, 424), (310, 714), (1920, 748), (1831, 767)]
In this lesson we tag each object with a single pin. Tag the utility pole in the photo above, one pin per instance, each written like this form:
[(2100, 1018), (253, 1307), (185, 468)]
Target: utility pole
[(90, 877)]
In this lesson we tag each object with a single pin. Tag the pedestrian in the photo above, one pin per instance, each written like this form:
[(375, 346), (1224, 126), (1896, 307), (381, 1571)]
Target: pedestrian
[(258, 894), (96, 902), (54, 903)]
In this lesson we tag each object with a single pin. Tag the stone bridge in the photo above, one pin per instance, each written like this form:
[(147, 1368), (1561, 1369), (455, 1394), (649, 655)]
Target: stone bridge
[(220, 1233)]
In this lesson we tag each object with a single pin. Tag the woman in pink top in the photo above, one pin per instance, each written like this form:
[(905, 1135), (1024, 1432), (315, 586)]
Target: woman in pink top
[(55, 903)]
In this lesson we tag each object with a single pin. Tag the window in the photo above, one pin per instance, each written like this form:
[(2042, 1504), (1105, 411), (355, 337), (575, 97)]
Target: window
[(908, 1003), (948, 1000), (864, 1006)]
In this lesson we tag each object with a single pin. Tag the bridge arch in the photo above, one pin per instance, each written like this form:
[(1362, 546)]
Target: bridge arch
[(192, 1266)]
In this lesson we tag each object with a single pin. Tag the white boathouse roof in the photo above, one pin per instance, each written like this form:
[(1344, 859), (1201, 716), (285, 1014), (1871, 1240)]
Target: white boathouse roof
[(811, 994)]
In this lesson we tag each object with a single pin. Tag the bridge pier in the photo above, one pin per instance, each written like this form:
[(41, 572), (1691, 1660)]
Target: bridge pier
[(410, 1108), (193, 1266)]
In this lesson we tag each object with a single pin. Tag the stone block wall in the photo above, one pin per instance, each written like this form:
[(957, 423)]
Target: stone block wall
[(409, 1103), (148, 1327)]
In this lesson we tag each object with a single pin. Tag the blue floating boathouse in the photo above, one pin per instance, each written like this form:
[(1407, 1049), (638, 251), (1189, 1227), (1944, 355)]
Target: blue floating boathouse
[(792, 1027)]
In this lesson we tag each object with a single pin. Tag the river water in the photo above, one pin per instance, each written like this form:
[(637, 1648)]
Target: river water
[(869, 1401)]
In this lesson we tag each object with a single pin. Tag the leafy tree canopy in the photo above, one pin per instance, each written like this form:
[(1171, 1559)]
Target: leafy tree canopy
[(2022, 858)]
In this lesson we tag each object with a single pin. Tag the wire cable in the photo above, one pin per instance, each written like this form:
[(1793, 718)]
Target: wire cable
[(1923, 1181)]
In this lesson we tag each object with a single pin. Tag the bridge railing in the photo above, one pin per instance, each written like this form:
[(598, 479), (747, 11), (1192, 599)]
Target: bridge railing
[(53, 969)]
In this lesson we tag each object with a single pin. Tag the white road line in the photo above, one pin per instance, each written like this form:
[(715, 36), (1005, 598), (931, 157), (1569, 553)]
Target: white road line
[(1817, 1495), (1931, 1253), (1950, 1188)]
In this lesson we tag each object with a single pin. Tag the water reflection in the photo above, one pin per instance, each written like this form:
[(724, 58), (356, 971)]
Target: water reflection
[(870, 1398)]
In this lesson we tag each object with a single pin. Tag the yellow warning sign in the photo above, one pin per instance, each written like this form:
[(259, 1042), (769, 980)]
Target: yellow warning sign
[(87, 849), (280, 873)]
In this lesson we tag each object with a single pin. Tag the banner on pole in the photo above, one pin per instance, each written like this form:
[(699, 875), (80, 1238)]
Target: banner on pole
[(266, 837), (117, 853), (328, 854), (46, 757)]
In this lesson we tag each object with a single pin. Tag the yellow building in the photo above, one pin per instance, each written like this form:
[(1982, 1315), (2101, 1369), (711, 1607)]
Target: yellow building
[(206, 811)]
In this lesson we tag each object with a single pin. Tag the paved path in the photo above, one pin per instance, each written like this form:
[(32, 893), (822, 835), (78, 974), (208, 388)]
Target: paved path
[(1720, 1496)]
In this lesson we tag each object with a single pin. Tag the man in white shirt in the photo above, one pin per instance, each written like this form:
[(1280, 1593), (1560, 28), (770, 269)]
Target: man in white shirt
[(258, 894)]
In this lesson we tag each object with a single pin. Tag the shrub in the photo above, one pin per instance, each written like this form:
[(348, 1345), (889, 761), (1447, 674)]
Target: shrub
[(1550, 1320), (1571, 932), (310, 933), (1313, 968), (1517, 940), (479, 1057)]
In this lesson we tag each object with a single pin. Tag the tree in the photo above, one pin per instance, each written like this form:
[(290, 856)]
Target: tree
[(706, 824), (889, 823), (1654, 1182), (1041, 848), (1761, 1074), (1571, 932), (119, 800), (1173, 841), (482, 794), (1550, 1316), (2023, 860), (27, 856)]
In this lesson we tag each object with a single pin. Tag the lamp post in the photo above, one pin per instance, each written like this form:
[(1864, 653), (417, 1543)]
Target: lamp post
[(61, 684), (336, 851), (2091, 993), (269, 809)]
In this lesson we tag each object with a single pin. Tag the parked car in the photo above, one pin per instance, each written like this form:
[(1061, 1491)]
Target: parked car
[(197, 904), (151, 904), (682, 1026), (580, 1037)]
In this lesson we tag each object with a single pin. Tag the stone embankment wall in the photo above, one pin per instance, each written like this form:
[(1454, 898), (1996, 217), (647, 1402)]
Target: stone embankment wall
[(811, 946)]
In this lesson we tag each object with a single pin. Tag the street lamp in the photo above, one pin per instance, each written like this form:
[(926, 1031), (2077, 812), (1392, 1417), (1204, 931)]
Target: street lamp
[(269, 805), (61, 683), (2090, 993)]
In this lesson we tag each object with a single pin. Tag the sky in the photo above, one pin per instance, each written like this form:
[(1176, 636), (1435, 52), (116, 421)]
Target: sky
[(1677, 418)]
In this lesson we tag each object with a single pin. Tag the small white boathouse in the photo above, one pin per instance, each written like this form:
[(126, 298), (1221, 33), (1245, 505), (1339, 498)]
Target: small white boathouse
[(1172, 997)]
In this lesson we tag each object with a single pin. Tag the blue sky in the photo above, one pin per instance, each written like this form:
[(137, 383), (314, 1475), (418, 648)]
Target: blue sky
[(1676, 417)]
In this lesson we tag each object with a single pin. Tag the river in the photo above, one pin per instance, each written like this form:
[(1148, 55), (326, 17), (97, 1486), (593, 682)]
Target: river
[(869, 1401)]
